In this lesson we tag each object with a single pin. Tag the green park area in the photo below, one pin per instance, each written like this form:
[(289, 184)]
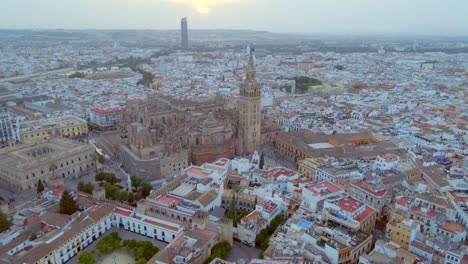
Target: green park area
[(116, 190), (111, 249), (303, 83)]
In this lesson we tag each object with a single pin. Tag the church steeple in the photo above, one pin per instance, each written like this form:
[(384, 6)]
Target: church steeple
[(250, 71), (250, 108)]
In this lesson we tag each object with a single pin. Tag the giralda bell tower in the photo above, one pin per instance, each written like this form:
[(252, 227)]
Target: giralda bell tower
[(250, 98)]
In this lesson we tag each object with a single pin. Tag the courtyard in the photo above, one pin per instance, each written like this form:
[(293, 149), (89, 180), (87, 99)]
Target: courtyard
[(121, 255)]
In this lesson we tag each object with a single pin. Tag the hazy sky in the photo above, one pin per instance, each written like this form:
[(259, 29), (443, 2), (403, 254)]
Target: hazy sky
[(446, 17)]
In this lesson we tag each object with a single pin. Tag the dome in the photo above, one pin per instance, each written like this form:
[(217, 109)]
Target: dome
[(211, 121)]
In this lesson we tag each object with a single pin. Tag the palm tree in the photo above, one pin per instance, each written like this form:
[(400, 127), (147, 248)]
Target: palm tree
[(102, 160), (53, 167)]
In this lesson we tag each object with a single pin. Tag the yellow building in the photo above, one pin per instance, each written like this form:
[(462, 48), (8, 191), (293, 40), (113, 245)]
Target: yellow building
[(23, 165), (402, 232), (307, 167), (43, 129)]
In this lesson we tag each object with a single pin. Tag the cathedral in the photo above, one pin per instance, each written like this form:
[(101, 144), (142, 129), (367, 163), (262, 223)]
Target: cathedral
[(165, 135)]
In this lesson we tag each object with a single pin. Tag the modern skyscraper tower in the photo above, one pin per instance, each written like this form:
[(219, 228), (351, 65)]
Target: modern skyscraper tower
[(249, 108), (184, 33)]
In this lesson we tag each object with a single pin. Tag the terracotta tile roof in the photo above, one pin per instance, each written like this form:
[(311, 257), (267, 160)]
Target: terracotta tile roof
[(98, 212), (122, 212), (20, 239), (366, 213), (101, 111), (84, 201), (453, 227), (404, 201), (57, 191), (31, 220), (197, 171), (35, 254), (276, 172), (251, 217), (323, 188), (55, 219), (208, 198), (160, 224), (361, 186)]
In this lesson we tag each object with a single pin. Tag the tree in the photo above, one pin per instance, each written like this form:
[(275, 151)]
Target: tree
[(85, 187), (5, 222), (109, 242), (143, 251), (219, 250), (40, 186), (53, 167), (111, 190), (77, 75), (112, 179), (67, 204), (122, 196), (231, 212), (131, 198), (259, 239), (263, 238), (86, 258), (101, 159), (106, 176), (136, 182), (262, 161), (145, 189)]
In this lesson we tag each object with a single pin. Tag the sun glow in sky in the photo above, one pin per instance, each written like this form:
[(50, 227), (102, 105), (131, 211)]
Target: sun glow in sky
[(204, 6), (425, 17)]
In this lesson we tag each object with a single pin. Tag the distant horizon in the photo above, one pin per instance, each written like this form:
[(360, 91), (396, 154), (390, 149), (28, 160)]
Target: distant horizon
[(306, 17), (337, 34)]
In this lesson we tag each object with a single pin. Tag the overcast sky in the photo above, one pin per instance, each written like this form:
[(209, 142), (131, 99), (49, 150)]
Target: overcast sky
[(434, 17)]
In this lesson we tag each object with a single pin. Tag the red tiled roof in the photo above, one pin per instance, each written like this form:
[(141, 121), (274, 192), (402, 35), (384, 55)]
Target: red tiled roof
[(58, 191), (405, 200), (122, 212), (31, 220), (432, 213), (349, 204), (197, 171), (453, 227), (221, 162), (366, 213), (269, 206), (161, 225), (250, 217), (276, 172), (167, 199), (101, 111), (389, 157), (361, 186), (323, 188)]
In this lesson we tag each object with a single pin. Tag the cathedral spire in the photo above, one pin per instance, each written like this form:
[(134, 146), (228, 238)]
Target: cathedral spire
[(250, 72), (249, 107)]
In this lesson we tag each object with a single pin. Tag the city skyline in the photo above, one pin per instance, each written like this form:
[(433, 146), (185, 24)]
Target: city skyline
[(314, 17)]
